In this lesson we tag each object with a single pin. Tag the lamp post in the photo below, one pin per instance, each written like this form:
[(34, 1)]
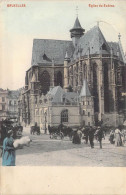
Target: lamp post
[(45, 122)]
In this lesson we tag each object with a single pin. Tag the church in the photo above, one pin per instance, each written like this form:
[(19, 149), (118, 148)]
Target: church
[(76, 82)]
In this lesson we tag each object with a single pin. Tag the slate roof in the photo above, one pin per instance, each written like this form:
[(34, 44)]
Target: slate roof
[(94, 40), (77, 25), (85, 90), (115, 49), (57, 93), (71, 96), (44, 50)]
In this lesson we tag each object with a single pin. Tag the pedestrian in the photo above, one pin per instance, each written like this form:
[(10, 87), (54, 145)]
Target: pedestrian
[(85, 132), (76, 137), (100, 136), (123, 137), (111, 137), (8, 156), (118, 140), (79, 133), (91, 136)]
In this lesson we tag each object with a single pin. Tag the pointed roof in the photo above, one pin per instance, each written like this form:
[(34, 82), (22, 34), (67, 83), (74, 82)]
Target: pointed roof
[(56, 93), (94, 40), (85, 90), (77, 30), (121, 49), (77, 24)]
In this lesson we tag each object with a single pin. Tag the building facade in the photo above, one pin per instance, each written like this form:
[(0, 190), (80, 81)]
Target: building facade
[(87, 58), (3, 104), (13, 96), (9, 104)]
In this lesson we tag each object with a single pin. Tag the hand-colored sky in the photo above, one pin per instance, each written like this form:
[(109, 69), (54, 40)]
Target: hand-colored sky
[(53, 20)]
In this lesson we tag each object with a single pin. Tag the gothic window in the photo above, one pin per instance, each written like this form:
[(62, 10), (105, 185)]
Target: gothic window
[(64, 116), (84, 70), (59, 79), (106, 88), (95, 88), (45, 82), (88, 114)]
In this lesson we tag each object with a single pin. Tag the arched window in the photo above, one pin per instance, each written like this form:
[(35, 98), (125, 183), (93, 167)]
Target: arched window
[(45, 82), (59, 79), (95, 88), (64, 116), (106, 88)]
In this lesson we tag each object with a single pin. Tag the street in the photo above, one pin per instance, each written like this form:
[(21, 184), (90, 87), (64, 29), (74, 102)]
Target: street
[(44, 151)]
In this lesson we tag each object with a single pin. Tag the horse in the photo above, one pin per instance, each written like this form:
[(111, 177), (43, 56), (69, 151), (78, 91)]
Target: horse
[(35, 129), (54, 132)]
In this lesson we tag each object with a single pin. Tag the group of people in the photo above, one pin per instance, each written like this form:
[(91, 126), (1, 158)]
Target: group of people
[(116, 136), (88, 134)]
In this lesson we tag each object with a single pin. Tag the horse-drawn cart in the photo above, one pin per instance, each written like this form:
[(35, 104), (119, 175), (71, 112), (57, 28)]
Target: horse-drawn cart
[(60, 131)]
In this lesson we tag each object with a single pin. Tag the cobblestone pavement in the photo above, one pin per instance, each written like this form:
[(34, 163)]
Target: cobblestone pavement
[(44, 151)]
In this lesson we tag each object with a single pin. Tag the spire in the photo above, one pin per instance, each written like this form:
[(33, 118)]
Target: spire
[(77, 30), (121, 49), (85, 90)]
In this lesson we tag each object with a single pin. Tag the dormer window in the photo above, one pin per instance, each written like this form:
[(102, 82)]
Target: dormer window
[(46, 58), (104, 47)]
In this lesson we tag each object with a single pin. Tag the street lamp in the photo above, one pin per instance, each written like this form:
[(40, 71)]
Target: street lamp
[(45, 122)]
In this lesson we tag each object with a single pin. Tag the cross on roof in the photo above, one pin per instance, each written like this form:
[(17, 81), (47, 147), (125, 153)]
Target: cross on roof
[(77, 10), (119, 36)]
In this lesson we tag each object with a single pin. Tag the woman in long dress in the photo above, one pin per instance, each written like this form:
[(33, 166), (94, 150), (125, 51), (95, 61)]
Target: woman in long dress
[(118, 140), (8, 156)]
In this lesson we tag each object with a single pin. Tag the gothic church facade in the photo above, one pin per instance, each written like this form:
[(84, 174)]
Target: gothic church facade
[(89, 58)]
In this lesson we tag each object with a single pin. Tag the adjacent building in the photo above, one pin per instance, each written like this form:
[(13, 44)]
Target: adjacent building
[(9, 104), (3, 104)]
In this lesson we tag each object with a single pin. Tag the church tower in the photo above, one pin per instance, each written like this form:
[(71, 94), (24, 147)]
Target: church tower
[(76, 32)]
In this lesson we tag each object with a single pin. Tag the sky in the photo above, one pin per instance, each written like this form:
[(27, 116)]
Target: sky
[(49, 20)]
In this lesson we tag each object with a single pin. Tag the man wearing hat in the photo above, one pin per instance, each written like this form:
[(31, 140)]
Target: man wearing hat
[(8, 156)]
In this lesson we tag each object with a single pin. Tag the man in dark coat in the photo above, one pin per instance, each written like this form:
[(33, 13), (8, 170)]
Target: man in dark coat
[(91, 136), (100, 135)]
